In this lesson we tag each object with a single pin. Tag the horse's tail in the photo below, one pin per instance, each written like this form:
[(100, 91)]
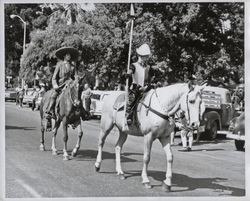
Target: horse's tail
[(41, 108), (44, 103)]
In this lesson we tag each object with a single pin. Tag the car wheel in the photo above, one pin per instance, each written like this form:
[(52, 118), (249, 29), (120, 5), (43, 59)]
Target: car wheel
[(239, 144), (212, 132)]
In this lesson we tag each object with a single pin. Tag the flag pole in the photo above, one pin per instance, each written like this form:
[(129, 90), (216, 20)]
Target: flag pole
[(132, 14)]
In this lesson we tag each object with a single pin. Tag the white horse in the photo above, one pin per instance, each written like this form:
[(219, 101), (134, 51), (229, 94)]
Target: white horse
[(153, 123)]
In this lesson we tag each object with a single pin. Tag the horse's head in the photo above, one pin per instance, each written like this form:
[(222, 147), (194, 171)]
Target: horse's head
[(193, 105), (76, 87)]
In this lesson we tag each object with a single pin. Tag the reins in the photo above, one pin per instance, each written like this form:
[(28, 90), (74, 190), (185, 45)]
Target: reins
[(71, 87), (164, 116), (74, 103), (149, 108)]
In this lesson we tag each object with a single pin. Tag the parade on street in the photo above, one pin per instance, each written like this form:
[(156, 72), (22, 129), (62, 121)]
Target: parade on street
[(125, 100)]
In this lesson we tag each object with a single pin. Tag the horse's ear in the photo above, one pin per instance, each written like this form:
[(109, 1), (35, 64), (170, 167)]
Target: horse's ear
[(190, 86), (203, 86)]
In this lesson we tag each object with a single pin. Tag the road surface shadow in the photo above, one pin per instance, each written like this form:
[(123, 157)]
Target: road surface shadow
[(130, 153), (193, 150), (190, 183), (19, 128), (89, 154), (211, 142)]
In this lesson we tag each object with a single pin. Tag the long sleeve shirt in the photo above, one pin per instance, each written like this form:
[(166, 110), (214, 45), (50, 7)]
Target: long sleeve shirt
[(63, 72), (142, 75)]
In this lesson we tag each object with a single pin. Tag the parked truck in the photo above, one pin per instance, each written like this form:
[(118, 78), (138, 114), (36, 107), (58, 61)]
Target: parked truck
[(219, 111)]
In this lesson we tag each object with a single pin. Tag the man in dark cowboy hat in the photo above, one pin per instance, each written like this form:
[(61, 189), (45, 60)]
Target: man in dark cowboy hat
[(64, 72)]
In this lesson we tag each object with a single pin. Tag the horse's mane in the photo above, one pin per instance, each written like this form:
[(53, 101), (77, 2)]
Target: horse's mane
[(67, 91), (171, 94)]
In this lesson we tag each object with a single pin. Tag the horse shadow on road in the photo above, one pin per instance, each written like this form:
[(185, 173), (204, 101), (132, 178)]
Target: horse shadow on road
[(90, 155), (186, 183), (7, 127), (182, 182)]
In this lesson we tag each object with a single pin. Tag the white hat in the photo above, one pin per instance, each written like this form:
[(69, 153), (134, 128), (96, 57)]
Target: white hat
[(143, 50)]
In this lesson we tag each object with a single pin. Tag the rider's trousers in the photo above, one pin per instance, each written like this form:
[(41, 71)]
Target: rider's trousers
[(52, 103)]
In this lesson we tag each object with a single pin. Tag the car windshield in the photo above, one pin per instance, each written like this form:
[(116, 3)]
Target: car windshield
[(10, 89), (96, 96)]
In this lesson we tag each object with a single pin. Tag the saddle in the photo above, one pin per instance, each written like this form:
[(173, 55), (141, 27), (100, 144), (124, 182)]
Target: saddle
[(48, 119), (119, 105)]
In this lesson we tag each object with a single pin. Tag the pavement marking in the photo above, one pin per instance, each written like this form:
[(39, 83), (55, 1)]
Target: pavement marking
[(29, 189)]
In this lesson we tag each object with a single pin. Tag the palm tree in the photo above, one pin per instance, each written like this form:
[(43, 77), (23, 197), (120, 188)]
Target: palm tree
[(70, 13)]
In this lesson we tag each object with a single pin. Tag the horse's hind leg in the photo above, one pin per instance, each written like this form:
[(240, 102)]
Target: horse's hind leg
[(118, 147), (105, 130), (78, 144), (53, 146), (166, 184)]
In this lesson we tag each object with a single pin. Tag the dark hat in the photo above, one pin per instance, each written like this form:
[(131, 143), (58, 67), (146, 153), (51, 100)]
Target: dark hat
[(61, 52)]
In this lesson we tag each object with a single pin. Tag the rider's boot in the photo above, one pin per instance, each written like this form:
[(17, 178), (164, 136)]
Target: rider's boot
[(131, 100)]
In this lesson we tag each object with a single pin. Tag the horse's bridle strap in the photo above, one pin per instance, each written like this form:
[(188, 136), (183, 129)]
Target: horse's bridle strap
[(166, 117)]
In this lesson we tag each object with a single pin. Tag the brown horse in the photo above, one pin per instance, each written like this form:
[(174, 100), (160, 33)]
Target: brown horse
[(153, 123), (69, 110)]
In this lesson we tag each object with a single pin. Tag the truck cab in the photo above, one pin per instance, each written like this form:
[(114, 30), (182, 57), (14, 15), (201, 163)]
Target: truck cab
[(219, 111)]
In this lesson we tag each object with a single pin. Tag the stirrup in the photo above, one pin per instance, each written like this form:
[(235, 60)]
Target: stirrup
[(129, 121), (50, 115)]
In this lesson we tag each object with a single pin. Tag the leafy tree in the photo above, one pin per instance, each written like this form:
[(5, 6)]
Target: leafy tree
[(14, 34), (194, 38)]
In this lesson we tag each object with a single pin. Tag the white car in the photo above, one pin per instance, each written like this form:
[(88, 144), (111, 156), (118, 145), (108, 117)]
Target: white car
[(38, 102), (97, 99), (28, 97)]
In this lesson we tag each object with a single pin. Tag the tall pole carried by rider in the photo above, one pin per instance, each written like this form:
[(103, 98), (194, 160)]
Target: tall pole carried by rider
[(132, 15)]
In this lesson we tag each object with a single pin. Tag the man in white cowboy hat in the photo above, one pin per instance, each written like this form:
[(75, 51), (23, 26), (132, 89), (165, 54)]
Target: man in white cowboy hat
[(64, 72), (140, 77)]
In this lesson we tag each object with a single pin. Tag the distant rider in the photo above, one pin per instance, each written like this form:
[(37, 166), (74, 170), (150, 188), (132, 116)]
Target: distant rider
[(64, 72)]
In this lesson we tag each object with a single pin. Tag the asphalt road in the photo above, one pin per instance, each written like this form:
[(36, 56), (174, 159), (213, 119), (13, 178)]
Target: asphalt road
[(211, 169)]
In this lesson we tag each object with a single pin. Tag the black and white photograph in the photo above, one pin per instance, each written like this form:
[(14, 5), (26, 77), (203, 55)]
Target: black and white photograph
[(129, 100)]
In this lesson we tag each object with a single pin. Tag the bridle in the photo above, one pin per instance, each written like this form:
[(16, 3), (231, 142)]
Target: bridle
[(187, 103), (74, 92), (164, 116)]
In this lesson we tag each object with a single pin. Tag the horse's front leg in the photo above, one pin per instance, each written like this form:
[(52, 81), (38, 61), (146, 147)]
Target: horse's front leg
[(78, 144), (65, 139), (118, 148), (166, 184), (105, 130), (42, 147), (148, 141), (54, 131)]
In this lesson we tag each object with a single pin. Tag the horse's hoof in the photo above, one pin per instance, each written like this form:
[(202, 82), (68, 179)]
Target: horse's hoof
[(54, 153), (122, 176), (65, 158), (166, 187), (97, 169), (73, 154), (147, 185), (42, 148)]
